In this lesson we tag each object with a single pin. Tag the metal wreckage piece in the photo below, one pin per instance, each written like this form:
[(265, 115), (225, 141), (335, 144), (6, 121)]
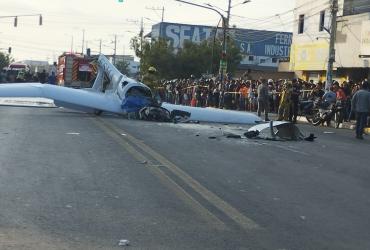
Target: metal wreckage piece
[(277, 130), (116, 93)]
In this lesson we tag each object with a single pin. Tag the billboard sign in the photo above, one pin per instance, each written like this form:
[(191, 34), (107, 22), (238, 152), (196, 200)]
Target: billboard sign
[(251, 42)]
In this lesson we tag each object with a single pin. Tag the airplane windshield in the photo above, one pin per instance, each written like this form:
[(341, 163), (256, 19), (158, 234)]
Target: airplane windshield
[(139, 91)]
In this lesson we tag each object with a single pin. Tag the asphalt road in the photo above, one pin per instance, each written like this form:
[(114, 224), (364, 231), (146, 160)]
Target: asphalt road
[(69, 180)]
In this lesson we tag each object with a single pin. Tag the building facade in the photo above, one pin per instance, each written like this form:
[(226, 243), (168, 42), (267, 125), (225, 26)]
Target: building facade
[(133, 66), (261, 49), (310, 47)]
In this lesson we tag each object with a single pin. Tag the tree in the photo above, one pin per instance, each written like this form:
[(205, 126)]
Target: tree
[(158, 54), (192, 59), (5, 60), (122, 66)]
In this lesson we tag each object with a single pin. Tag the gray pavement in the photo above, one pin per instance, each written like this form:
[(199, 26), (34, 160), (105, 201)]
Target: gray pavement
[(74, 181)]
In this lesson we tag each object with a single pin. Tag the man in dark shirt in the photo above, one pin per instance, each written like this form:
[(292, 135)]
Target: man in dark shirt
[(263, 99), (318, 91), (296, 92), (361, 107)]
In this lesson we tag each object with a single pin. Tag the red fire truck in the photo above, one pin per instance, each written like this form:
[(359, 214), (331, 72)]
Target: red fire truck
[(76, 70)]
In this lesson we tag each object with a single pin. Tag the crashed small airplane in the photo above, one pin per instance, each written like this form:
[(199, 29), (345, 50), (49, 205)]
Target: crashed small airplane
[(109, 93)]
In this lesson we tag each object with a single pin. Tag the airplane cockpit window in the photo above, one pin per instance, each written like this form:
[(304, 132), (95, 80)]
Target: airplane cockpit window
[(139, 91), (124, 83)]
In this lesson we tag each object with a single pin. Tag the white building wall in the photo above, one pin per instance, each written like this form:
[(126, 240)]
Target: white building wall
[(310, 49), (348, 42), (311, 9)]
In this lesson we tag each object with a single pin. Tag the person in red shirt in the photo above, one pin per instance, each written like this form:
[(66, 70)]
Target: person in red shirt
[(341, 101)]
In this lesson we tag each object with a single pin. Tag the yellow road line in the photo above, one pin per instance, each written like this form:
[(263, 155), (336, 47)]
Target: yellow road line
[(227, 209), (163, 177), (243, 221)]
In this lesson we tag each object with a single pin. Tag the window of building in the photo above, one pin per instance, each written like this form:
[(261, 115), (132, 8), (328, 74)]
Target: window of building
[(301, 24), (251, 58), (322, 20), (274, 60), (262, 60)]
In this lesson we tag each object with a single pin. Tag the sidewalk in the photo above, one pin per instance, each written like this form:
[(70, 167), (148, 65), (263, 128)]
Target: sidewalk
[(301, 119)]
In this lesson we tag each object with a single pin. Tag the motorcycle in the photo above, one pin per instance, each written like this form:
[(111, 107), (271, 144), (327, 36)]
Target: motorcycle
[(339, 114), (307, 109), (324, 113)]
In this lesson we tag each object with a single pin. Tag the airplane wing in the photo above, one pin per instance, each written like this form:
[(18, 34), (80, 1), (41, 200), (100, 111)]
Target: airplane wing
[(88, 101), (215, 115)]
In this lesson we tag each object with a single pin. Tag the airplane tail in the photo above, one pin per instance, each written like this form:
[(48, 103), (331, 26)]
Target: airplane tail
[(106, 68)]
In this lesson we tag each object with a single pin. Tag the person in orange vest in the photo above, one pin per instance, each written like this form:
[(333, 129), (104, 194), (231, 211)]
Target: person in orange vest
[(243, 96)]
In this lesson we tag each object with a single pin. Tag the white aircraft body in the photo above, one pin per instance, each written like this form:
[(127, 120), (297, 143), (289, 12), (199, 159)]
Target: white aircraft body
[(110, 99)]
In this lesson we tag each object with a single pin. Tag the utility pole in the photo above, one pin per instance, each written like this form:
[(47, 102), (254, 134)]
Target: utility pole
[(72, 44), (115, 49), (162, 18), (141, 36), (83, 40), (162, 14), (100, 43), (333, 31), (223, 62), (228, 13)]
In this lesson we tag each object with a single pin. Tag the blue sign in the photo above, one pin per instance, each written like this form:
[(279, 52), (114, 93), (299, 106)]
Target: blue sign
[(251, 42)]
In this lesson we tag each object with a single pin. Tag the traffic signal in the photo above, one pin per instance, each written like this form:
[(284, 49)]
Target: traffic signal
[(15, 21), (9, 50), (88, 52), (40, 20)]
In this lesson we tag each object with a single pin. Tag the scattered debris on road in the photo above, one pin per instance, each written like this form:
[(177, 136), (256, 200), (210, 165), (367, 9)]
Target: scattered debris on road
[(123, 243)]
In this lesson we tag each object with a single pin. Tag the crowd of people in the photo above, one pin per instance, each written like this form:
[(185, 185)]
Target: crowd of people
[(262, 96), (25, 75)]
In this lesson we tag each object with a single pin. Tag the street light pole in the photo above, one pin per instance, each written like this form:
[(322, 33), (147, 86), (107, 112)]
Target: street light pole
[(228, 13), (223, 65)]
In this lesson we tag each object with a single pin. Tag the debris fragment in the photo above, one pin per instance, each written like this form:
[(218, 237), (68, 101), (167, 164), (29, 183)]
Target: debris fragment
[(123, 243), (72, 133), (231, 135), (68, 206), (251, 134), (275, 130), (311, 137), (328, 132), (302, 217), (212, 137), (154, 113)]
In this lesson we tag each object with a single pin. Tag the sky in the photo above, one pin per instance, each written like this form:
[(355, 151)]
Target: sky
[(65, 20)]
